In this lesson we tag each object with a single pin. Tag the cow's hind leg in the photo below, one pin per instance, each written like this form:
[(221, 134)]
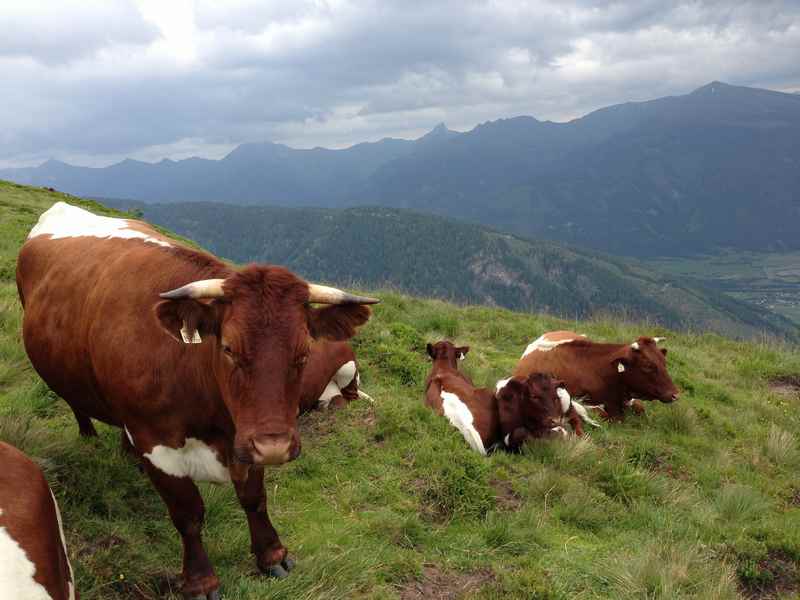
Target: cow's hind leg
[(85, 426), (186, 509), (271, 556)]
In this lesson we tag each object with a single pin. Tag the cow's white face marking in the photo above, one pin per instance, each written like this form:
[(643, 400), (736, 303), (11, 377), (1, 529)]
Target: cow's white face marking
[(63, 220), (500, 385), (565, 398), (461, 418), (71, 582), (544, 344), (461, 356), (620, 368), (194, 459), (17, 571)]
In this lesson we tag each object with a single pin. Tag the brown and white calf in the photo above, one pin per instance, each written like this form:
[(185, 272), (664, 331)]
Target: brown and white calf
[(450, 393), (33, 555), (330, 377), (608, 376), (199, 363), (531, 407)]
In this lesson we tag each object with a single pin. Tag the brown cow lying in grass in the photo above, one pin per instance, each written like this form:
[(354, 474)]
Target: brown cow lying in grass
[(33, 555), (330, 378), (484, 422), (608, 376)]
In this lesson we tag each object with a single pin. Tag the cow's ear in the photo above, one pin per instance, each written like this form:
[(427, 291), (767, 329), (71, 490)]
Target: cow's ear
[(188, 321), (620, 364), (462, 352), (664, 351), (337, 323), (430, 350)]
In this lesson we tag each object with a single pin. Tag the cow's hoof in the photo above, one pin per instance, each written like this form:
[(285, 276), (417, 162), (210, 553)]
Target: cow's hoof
[(277, 571), (213, 595)]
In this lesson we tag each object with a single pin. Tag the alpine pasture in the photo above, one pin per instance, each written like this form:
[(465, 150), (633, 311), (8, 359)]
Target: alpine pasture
[(699, 499)]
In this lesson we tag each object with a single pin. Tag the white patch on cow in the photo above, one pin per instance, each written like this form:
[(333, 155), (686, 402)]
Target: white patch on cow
[(560, 430), (345, 375), (194, 459), (130, 437), (461, 356), (329, 393), (500, 385), (630, 402), (658, 340), (583, 414), (461, 418), (71, 582), (543, 344), (17, 571), (507, 439), (194, 338), (635, 345), (63, 220), (620, 368), (566, 401)]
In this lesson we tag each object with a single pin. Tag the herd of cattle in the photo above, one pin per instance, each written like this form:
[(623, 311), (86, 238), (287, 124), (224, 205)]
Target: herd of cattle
[(205, 369)]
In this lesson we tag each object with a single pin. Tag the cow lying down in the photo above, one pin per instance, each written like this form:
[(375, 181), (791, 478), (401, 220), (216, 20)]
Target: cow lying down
[(611, 377), (330, 378), (33, 554), (525, 408)]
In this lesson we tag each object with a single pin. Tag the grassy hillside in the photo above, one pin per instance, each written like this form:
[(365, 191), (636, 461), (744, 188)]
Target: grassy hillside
[(700, 499), (443, 258)]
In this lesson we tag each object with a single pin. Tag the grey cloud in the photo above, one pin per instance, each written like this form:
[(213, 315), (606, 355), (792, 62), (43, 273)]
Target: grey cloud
[(310, 73)]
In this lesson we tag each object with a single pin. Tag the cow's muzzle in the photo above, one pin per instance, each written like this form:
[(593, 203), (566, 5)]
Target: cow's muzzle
[(670, 398), (272, 448)]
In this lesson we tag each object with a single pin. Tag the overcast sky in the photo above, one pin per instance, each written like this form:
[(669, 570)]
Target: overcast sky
[(92, 81)]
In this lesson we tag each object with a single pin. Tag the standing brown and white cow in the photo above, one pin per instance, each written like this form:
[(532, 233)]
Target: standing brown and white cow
[(330, 378), (198, 362), (33, 555), (609, 376)]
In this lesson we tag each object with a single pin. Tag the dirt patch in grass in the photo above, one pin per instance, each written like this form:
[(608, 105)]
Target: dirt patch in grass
[(794, 497), (437, 584), (787, 386), (776, 576), (505, 496)]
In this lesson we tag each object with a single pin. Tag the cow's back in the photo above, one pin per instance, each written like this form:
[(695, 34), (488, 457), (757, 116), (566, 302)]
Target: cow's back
[(89, 326), (561, 354), (33, 560)]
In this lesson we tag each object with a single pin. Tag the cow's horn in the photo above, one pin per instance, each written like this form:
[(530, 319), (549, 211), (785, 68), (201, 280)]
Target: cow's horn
[(658, 339), (322, 294), (205, 288)]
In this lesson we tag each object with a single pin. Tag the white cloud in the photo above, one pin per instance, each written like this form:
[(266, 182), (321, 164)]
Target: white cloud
[(94, 81)]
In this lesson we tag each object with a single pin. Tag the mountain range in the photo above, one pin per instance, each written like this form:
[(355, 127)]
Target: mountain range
[(718, 167), (432, 256)]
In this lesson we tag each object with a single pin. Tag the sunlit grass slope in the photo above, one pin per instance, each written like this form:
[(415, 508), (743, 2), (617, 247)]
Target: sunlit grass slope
[(700, 499)]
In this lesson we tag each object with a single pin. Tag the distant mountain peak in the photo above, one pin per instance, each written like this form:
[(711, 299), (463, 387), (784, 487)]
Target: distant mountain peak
[(440, 132)]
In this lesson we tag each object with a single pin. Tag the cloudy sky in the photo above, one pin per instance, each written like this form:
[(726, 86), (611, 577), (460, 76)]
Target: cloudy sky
[(92, 81)]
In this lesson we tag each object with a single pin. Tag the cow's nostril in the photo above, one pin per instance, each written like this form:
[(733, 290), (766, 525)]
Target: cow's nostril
[(271, 448)]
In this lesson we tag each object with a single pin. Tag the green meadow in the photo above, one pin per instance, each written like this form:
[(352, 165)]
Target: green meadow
[(699, 499)]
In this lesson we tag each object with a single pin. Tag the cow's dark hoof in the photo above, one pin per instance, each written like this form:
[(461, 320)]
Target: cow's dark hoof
[(288, 564), (214, 595), (277, 571)]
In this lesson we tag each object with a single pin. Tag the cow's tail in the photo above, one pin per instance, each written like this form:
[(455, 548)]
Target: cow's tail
[(582, 412), (365, 396)]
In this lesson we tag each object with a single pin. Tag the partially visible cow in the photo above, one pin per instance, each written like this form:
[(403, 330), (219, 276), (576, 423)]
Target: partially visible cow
[(33, 555), (330, 378), (199, 363), (530, 407), (608, 376), (449, 392)]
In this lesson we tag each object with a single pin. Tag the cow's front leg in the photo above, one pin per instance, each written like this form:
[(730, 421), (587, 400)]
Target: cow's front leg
[(186, 509), (575, 421), (271, 557)]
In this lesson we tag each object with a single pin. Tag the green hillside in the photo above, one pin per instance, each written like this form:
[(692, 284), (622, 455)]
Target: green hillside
[(700, 499), (437, 257)]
